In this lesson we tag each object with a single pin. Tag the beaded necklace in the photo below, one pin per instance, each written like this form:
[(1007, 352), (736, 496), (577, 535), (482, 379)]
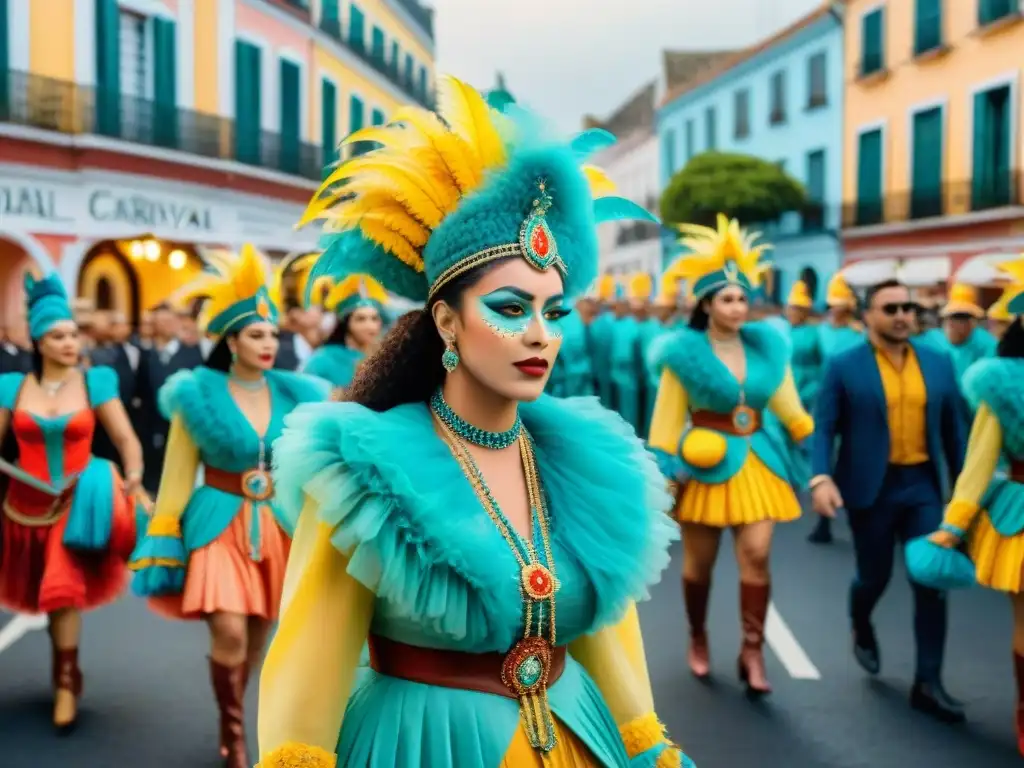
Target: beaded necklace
[(527, 666), (466, 431)]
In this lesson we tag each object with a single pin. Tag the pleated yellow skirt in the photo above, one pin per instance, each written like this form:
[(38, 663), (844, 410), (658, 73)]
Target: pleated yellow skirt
[(753, 494), (997, 559), (570, 752)]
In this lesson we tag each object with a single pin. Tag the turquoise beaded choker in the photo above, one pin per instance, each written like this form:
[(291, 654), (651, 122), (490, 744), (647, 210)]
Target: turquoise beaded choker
[(493, 440)]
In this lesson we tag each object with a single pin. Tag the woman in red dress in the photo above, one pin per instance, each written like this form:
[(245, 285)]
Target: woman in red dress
[(67, 525)]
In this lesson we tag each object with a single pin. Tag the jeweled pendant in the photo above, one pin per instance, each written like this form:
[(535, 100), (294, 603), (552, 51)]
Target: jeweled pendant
[(538, 583), (538, 242), (525, 672), (257, 485)]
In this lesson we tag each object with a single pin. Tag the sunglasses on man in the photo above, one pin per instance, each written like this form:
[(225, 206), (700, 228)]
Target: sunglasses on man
[(894, 308)]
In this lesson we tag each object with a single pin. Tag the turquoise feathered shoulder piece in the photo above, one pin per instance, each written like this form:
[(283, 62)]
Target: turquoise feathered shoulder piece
[(299, 388), (102, 384), (200, 397), (998, 382), (402, 510), (687, 353), (10, 385)]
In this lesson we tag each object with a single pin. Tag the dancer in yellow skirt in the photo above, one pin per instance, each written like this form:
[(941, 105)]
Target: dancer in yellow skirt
[(726, 401), (990, 512)]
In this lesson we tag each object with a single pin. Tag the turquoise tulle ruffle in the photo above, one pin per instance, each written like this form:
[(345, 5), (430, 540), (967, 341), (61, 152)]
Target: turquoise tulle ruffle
[(91, 516), (931, 565)]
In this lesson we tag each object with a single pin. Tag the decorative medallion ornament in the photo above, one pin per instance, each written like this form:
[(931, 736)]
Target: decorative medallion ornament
[(538, 582), (536, 239), (527, 666), (257, 485), (744, 419), (262, 308)]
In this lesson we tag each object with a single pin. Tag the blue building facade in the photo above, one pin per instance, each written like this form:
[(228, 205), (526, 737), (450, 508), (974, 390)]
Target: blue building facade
[(782, 101)]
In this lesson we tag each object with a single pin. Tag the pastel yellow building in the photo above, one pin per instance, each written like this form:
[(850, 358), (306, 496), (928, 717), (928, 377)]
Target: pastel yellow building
[(931, 123)]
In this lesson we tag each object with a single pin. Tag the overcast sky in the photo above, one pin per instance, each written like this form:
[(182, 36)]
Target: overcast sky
[(567, 58)]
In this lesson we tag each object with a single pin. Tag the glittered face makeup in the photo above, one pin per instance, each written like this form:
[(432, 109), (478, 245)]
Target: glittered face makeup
[(509, 311)]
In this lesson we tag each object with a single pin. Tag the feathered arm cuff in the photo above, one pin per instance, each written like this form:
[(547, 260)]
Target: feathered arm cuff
[(295, 755), (647, 746), (159, 559)]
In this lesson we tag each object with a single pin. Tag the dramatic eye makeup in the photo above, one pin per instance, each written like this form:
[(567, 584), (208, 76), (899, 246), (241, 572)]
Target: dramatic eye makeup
[(508, 312)]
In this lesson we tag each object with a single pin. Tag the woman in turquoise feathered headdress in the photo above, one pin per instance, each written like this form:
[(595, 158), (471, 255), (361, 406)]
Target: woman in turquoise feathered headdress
[(445, 506), (68, 522)]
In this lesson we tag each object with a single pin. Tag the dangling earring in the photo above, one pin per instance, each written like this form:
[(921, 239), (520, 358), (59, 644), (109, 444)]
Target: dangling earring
[(450, 358), (234, 357)]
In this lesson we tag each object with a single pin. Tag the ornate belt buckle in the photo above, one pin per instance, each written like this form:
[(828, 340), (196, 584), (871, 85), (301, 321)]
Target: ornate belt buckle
[(744, 419), (257, 485), (527, 667)]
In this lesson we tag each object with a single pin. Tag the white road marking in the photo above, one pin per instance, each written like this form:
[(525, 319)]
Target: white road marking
[(787, 648), (18, 627)]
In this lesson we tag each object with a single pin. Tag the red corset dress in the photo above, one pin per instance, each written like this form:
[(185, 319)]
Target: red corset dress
[(38, 572)]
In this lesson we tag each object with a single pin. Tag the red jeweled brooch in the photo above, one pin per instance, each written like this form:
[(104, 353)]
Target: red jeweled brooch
[(538, 583)]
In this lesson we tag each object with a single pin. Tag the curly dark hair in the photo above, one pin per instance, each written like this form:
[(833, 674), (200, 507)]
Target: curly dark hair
[(406, 368)]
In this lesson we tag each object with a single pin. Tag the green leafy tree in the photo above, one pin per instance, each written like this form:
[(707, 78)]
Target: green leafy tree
[(744, 187)]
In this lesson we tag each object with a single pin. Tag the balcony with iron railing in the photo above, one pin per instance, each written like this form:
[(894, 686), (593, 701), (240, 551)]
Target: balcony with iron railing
[(389, 69), (996, 190), (33, 101)]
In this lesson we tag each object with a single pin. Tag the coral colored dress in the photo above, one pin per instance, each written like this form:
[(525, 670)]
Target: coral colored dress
[(69, 552), (222, 546)]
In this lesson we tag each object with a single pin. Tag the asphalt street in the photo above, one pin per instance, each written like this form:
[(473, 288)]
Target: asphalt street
[(148, 703)]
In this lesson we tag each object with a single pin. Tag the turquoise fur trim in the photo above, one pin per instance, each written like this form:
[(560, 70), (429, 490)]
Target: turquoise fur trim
[(998, 382), (709, 384), (102, 384), (416, 535), (47, 304), (493, 215), (90, 519), (10, 385)]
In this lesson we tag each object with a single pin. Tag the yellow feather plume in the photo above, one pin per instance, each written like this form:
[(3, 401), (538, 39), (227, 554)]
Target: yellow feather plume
[(600, 184), (363, 285), (466, 111), (243, 277), (392, 242), (297, 265), (711, 249)]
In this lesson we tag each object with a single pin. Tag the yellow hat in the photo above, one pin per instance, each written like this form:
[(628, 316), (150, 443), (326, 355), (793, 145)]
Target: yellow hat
[(641, 286), (668, 289), (607, 287), (839, 293), (799, 296), (720, 257), (963, 300)]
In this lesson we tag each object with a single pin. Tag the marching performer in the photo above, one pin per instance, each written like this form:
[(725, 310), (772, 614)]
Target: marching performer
[(986, 510), (601, 330), (68, 522), (572, 374), (627, 369), (218, 552), (807, 356), (962, 335), (358, 302), (446, 505), (729, 378)]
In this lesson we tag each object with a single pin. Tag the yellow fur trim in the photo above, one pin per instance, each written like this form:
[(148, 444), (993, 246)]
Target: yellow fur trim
[(711, 250), (295, 755), (704, 448), (801, 428), (642, 734), (155, 562), (164, 525), (960, 513)]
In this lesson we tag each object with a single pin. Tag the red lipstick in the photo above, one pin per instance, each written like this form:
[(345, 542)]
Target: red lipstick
[(533, 367), (266, 358)]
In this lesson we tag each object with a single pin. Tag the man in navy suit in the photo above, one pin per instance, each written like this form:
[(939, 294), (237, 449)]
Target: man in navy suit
[(893, 405)]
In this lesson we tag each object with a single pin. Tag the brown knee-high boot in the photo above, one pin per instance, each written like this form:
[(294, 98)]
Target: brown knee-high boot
[(67, 687), (1018, 670), (229, 689), (695, 597), (753, 610)]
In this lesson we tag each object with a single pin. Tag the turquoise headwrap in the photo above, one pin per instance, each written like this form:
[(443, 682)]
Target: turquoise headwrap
[(1016, 304), (257, 308), (731, 274), (47, 304)]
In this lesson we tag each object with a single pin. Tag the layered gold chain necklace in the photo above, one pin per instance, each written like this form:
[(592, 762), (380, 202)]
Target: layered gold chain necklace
[(527, 666)]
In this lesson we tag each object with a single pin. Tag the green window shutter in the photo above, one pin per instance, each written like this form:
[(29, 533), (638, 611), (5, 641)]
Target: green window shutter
[(927, 25), (993, 10), (328, 124), (108, 68), (355, 120), (869, 177), (409, 66), (378, 117), (165, 84), (873, 42), (329, 10), (669, 152), (777, 115), (816, 176), (991, 177), (711, 129), (356, 29), (926, 159), (393, 65), (817, 86), (690, 140), (421, 85), (741, 114), (247, 103), (5, 64), (291, 123), (377, 49)]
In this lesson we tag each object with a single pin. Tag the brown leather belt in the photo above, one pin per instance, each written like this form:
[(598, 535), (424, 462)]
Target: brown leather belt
[(1017, 470), (449, 669), (253, 484), (740, 421)]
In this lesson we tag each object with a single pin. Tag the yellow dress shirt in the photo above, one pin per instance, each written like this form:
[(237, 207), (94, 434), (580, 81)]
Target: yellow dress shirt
[(905, 400)]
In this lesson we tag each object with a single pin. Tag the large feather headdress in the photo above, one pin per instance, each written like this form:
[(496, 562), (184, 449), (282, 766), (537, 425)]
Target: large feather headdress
[(235, 294), (726, 255), (296, 266), (1013, 295), (445, 192)]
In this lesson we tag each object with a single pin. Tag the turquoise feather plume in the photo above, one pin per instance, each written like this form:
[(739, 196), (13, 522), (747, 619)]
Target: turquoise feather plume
[(618, 208), (589, 142)]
